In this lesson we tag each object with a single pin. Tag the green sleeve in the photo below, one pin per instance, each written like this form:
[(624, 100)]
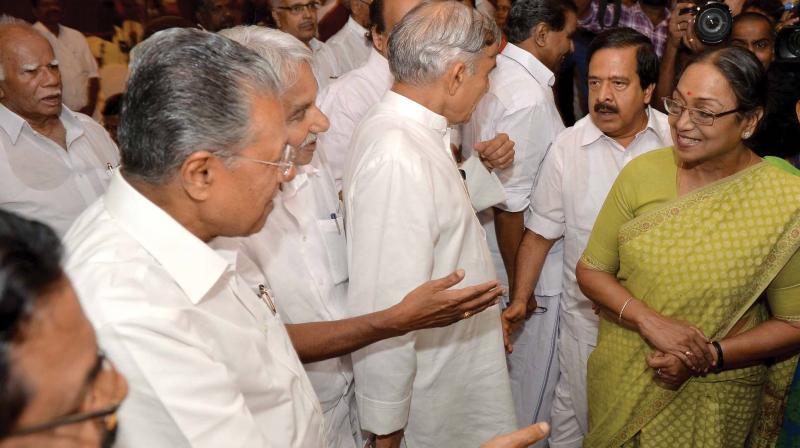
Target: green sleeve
[(783, 294), (602, 251)]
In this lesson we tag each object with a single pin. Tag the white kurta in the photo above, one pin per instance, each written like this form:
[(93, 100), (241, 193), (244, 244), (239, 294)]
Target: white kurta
[(75, 62), (577, 174), (42, 181), (520, 103), (350, 45), (207, 363), (409, 219), (324, 63), (345, 102), (302, 252)]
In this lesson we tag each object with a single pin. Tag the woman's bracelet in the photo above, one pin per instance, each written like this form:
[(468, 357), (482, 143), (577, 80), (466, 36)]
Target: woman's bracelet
[(720, 359), (619, 319)]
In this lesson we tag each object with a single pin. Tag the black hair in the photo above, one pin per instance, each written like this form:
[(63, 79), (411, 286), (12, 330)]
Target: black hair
[(30, 255), (780, 128), (526, 14), (756, 16), (646, 57), (773, 8), (113, 105), (744, 73), (376, 19)]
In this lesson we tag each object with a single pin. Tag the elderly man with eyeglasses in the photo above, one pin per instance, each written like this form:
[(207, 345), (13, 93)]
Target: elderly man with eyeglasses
[(299, 18)]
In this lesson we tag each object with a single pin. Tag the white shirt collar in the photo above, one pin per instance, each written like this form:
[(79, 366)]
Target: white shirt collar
[(193, 265), (539, 71), (592, 133), (355, 27), (291, 188), (415, 111), (13, 124)]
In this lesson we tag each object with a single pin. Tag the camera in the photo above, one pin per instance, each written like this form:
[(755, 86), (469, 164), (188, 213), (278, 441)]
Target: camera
[(787, 45), (712, 21)]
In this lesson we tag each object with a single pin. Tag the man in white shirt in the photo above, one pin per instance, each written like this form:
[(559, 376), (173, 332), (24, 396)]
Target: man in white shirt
[(575, 178), (409, 218), (346, 101), (196, 330), (520, 103), (350, 44), (299, 18), (301, 249), (77, 65), (53, 162)]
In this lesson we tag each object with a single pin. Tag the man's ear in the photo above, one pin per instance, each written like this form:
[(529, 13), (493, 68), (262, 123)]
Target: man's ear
[(379, 41), (198, 173), (539, 33), (455, 77), (648, 93)]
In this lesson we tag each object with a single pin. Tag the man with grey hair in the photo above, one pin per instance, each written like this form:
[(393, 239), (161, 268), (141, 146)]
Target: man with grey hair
[(347, 100), (301, 249), (53, 162), (409, 218), (196, 329)]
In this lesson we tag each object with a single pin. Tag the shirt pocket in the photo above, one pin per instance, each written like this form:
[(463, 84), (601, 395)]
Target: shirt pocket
[(332, 231)]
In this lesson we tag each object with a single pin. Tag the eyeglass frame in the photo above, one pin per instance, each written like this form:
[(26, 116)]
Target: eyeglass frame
[(299, 9), (286, 163), (107, 413), (692, 118)]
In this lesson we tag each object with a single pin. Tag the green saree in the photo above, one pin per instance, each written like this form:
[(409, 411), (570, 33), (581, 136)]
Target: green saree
[(704, 258)]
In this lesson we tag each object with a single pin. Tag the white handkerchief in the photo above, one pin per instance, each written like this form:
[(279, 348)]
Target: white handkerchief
[(485, 189)]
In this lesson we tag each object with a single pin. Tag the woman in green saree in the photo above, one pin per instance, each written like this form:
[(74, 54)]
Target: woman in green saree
[(693, 264)]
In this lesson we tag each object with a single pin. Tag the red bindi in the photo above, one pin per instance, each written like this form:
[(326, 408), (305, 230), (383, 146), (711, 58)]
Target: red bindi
[(689, 93)]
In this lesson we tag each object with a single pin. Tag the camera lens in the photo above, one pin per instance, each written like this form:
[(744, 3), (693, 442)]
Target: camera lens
[(787, 44), (713, 23)]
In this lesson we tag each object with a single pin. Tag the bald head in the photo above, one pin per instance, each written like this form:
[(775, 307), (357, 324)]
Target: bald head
[(30, 83)]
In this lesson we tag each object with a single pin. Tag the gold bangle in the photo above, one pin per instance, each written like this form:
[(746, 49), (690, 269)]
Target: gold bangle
[(619, 319)]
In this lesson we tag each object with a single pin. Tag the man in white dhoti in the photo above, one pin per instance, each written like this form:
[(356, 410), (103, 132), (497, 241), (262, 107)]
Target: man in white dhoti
[(520, 103), (576, 176), (195, 329), (409, 218)]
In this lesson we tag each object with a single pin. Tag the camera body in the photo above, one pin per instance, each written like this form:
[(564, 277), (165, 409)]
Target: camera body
[(787, 45), (713, 21)]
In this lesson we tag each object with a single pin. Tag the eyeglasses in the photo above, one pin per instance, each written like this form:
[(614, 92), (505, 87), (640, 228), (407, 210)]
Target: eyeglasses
[(300, 8), (106, 387), (285, 164), (699, 117)]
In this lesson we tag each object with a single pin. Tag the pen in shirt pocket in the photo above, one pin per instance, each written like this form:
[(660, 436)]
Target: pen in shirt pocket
[(338, 229)]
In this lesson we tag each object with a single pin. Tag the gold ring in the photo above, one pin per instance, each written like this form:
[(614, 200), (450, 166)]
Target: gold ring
[(467, 314), (687, 353), (658, 372)]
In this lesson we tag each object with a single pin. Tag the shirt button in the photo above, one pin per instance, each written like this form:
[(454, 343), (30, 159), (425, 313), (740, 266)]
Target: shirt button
[(304, 238)]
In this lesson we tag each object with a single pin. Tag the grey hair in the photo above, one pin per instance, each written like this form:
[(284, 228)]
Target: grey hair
[(283, 51), (11, 21), (436, 34), (189, 90)]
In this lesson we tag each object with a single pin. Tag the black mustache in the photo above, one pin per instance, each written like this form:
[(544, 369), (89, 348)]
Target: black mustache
[(603, 107)]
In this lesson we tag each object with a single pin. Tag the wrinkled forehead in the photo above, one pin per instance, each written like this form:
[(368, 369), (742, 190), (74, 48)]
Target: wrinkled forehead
[(25, 47)]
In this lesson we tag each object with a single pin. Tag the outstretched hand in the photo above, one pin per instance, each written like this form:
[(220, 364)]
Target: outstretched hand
[(432, 304)]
